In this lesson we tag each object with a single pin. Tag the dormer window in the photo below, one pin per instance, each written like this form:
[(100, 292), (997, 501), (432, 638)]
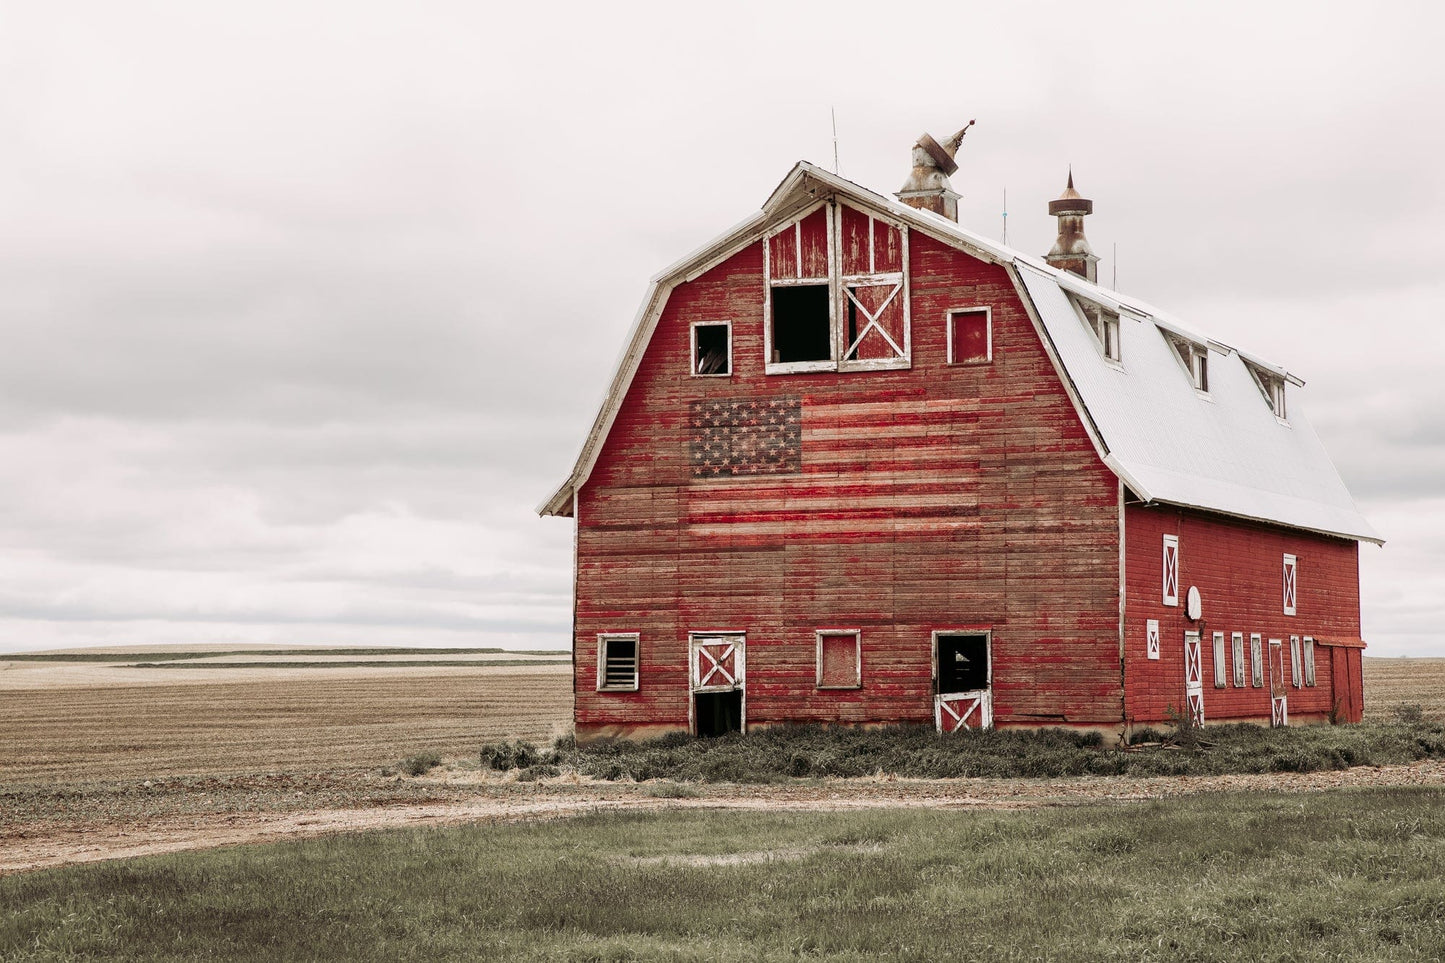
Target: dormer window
[(1105, 327), (1271, 385), (836, 293), (1194, 357)]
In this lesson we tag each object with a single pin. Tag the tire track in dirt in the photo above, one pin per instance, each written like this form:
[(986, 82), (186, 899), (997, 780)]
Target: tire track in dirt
[(493, 800)]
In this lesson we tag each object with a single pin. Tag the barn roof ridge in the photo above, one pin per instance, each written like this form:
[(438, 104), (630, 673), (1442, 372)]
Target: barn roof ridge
[(1288, 478)]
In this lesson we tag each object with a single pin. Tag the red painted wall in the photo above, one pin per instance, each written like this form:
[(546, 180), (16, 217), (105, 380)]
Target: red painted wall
[(937, 497), (1238, 568)]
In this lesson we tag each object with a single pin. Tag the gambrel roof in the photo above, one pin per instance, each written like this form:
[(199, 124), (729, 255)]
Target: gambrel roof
[(1222, 451)]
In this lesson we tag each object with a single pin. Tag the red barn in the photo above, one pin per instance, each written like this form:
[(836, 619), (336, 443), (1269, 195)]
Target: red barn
[(861, 465)]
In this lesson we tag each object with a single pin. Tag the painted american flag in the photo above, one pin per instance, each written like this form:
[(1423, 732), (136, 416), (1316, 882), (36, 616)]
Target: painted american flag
[(746, 436)]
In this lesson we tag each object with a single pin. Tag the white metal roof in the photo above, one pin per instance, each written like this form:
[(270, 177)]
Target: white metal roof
[(1224, 452)]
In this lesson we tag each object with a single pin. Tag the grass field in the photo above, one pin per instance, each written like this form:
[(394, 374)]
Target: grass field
[(1347, 875)]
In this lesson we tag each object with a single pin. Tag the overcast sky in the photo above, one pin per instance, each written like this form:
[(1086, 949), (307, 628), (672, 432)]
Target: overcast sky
[(306, 306)]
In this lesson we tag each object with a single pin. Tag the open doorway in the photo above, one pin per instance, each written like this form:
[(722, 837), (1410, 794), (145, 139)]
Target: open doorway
[(963, 680), (718, 666)]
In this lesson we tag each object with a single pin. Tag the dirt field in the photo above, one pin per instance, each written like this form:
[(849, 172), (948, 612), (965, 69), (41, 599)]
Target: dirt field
[(1392, 683), (101, 760), (62, 723)]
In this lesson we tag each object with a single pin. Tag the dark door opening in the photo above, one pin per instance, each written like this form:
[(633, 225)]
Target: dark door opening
[(962, 663), (718, 712)]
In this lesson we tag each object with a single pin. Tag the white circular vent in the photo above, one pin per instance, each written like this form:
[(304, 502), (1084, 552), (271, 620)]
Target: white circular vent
[(1193, 606)]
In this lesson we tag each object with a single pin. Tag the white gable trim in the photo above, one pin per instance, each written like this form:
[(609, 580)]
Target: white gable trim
[(805, 185)]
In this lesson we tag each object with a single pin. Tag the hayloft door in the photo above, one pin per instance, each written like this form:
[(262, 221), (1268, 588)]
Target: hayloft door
[(1193, 679), (718, 665), (963, 681), (1278, 693)]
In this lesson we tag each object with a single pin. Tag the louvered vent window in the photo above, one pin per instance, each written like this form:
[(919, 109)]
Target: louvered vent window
[(617, 657)]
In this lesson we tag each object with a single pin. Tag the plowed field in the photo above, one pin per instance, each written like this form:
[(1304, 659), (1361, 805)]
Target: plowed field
[(262, 720)]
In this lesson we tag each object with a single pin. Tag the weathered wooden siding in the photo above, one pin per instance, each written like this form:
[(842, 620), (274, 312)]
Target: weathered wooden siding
[(1238, 568), (932, 498)]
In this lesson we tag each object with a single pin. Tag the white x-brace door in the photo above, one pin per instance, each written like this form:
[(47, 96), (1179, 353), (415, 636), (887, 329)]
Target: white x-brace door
[(1193, 678), (963, 710), (717, 663)]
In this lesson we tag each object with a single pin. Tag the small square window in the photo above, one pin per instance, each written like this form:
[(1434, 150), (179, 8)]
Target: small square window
[(1256, 660), (1221, 671), (840, 658), (1309, 661), (970, 336), (1296, 662), (712, 349), (617, 660), (1237, 644)]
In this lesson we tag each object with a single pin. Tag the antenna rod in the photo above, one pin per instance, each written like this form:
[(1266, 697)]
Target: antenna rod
[(1005, 215), (834, 114), (1116, 265)]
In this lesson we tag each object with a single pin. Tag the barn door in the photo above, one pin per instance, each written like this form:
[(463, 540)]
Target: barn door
[(1278, 686), (1193, 679), (718, 665), (963, 679)]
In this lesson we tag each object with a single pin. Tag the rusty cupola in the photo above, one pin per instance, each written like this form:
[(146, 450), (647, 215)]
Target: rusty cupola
[(927, 187), (1071, 250)]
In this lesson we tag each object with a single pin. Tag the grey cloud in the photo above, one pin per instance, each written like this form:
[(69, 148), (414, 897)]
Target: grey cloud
[(314, 303)]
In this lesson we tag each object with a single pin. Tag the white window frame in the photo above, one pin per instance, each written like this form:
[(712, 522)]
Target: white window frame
[(857, 634), (1193, 357), (1171, 592), (1151, 639), (1273, 387), (988, 650), (838, 284), (1236, 644), (603, 638), (1221, 667), (1309, 645), (1290, 584), (1256, 660), (692, 340), (1105, 331), (987, 313), (1296, 662)]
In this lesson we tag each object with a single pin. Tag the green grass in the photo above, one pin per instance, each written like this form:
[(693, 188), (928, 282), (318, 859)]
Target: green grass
[(1348, 875), (167, 656), (780, 752)]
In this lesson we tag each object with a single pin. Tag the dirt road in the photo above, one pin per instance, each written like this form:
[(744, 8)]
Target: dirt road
[(45, 826)]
